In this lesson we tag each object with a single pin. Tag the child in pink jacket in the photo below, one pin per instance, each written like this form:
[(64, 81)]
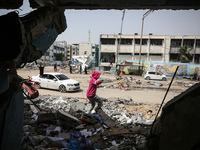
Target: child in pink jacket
[(91, 91)]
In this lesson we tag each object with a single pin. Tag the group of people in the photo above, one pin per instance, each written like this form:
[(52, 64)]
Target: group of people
[(80, 69)]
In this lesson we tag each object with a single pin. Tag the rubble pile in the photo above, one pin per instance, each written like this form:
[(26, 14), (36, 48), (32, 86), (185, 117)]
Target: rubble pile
[(64, 123)]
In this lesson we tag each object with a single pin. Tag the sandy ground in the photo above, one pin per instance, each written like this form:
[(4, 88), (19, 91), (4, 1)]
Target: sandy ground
[(138, 95)]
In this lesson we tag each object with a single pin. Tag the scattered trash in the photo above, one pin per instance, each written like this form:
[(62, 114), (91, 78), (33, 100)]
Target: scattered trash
[(154, 83), (65, 124)]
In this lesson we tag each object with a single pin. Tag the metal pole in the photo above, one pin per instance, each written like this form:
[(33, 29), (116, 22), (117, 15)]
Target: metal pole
[(118, 45), (145, 15), (163, 99), (141, 40)]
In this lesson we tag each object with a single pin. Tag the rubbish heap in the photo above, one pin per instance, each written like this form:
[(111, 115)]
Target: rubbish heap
[(64, 123)]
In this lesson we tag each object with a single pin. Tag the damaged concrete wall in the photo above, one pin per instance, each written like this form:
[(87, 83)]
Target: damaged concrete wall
[(104, 4), (118, 4), (179, 123), (42, 27), (23, 40)]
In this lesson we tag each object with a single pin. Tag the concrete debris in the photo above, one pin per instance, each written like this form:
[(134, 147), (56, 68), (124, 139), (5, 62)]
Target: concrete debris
[(65, 123), (155, 83), (129, 83), (106, 80)]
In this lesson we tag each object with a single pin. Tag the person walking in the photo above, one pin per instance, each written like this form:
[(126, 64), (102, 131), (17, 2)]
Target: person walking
[(85, 70), (70, 69), (41, 67), (55, 67), (80, 68), (91, 92)]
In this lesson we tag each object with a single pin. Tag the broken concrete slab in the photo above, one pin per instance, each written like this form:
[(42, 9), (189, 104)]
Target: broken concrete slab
[(45, 117), (66, 119)]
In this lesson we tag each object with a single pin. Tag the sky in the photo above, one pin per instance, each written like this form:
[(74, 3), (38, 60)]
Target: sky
[(96, 22)]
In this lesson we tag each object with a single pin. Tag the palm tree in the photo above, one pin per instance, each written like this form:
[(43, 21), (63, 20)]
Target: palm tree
[(185, 54)]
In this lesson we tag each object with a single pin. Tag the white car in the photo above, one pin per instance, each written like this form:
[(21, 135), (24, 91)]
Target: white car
[(56, 81), (155, 75)]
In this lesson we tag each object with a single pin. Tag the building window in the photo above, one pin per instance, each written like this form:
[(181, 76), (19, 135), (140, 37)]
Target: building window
[(141, 54), (85, 52), (155, 54), (125, 41), (108, 41), (197, 58), (125, 53), (144, 41), (174, 57), (188, 42), (197, 43), (175, 43), (156, 41)]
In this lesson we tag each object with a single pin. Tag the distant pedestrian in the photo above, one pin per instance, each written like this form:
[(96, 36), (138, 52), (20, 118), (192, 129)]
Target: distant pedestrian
[(80, 68), (41, 67), (91, 91), (55, 67), (85, 70), (117, 71), (70, 69)]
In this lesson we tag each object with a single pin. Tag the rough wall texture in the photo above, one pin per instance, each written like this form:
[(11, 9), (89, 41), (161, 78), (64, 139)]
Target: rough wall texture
[(104, 4), (41, 28), (180, 121), (178, 126)]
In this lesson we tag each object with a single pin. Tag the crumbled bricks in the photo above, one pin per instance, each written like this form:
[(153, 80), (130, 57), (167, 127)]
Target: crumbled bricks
[(123, 119)]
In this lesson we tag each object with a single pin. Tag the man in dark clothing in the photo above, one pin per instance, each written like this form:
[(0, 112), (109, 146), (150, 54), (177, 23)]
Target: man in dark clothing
[(85, 70), (41, 67), (80, 68), (55, 67), (70, 69)]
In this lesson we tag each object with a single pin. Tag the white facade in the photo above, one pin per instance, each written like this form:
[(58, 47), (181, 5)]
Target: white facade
[(85, 49), (154, 48)]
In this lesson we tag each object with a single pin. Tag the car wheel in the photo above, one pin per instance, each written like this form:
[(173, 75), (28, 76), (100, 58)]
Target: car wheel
[(147, 78), (26, 93), (164, 79), (37, 86), (62, 89)]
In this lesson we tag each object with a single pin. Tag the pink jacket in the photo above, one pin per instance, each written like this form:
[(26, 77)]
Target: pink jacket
[(93, 84)]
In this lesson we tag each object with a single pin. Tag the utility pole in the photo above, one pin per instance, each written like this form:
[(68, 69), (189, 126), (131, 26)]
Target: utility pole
[(118, 45), (145, 15)]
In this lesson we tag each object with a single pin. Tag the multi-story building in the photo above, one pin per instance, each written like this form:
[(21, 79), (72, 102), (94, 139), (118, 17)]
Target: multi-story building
[(75, 49), (56, 48), (153, 48), (88, 49)]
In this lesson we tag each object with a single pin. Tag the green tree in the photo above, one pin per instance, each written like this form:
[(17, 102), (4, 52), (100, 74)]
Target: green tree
[(185, 54), (59, 57)]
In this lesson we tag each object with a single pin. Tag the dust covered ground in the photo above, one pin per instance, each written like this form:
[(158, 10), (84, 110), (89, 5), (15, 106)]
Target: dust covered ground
[(138, 93), (141, 100)]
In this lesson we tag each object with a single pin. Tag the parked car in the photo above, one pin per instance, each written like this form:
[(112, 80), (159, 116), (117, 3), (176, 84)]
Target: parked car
[(56, 81), (155, 76)]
